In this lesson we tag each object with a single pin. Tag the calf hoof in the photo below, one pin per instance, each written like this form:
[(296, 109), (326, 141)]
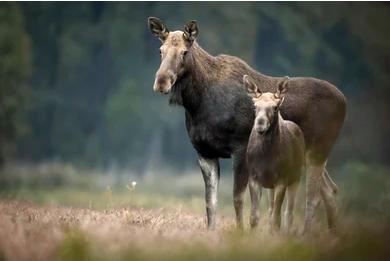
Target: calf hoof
[(333, 232), (240, 226), (254, 221)]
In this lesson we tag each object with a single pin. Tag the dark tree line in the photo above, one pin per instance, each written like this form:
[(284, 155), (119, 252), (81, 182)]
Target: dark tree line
[(76, 78)]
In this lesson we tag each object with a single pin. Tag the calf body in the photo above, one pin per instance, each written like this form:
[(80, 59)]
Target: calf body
[(277, 157), (275, 153)]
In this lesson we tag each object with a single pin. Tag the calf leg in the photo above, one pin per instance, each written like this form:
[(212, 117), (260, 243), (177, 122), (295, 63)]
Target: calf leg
[(289, 212), (278, 201), (240, 183), (314, 180), (271, 196), (210, 171), (255, 192)]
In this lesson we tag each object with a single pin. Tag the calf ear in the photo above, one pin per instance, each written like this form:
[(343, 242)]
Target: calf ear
[(282, 88), (251, 86), (191, 31), (158, 28)]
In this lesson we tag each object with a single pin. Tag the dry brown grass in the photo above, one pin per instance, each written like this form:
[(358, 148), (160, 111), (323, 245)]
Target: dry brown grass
[(36, 232), (33, 232), (61, 213)]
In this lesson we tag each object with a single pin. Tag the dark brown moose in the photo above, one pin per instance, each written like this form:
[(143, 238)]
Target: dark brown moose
[(219, 115), (275, 154)]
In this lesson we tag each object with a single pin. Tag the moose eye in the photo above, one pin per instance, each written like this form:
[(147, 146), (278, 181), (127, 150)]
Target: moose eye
[(185, 53)]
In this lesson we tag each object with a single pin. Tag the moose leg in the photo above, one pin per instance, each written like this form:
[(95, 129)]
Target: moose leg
[(210, 171), (314, 182), (289, 212), (328, 192), (255, 192), (330, 182), (271, 198), (276, 217), (240, 183)]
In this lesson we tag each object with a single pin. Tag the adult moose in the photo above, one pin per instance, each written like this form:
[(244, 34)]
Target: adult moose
[(219, 115)]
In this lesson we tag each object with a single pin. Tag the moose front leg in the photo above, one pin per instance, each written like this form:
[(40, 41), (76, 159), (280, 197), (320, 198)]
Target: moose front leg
[(241, 177), (210, 171), (289, 212), (276, 213), (255, 192)]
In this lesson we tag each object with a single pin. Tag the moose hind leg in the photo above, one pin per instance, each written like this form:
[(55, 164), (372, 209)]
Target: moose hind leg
[(330, 182), (255, 193), (328, 194), (210, 171), (240, 183), (314, 180)]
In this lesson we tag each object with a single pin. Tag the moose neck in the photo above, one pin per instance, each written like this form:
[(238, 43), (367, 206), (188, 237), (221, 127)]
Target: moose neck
[(201, 72), (202, 66)]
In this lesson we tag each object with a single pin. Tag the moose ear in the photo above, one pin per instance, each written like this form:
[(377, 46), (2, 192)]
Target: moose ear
[(158, 28), (251, 86), (191, 31), (282, 88)]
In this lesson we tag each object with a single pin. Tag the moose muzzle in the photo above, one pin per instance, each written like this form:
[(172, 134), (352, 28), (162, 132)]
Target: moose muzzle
[(164, 82)]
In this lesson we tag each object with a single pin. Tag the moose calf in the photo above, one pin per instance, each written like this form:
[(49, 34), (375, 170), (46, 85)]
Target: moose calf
[(275, 153)]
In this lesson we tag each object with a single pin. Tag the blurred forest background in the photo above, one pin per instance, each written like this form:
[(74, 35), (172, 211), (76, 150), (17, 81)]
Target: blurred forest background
[(76, 78), (80, 126)]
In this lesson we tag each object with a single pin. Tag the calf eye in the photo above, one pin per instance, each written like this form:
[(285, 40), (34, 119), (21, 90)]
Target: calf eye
[(185, 53)]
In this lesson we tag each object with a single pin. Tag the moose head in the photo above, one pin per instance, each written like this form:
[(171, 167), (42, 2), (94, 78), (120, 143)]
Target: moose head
[(267, 104), (175, 52)]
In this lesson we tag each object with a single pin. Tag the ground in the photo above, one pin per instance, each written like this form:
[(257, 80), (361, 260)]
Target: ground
[(34, 232), (48, 214)]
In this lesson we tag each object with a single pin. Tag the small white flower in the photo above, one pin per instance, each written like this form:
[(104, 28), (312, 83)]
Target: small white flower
[(131, 185)]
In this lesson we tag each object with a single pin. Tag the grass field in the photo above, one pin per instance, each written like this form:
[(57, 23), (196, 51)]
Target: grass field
[(162, 218)]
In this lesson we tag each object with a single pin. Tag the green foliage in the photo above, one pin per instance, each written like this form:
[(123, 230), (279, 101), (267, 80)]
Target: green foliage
[(14, 70), (75, 247), (366, 190)]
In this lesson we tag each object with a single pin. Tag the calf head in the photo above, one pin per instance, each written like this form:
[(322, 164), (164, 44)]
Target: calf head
[(267, 104), (175, 52)]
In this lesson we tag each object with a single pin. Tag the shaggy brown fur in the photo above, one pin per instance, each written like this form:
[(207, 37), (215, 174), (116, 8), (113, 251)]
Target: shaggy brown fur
[(307, 97), (306, 100)]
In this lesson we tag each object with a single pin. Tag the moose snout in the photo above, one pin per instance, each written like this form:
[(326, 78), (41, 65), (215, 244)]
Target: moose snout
[(261, 125), (163, 83)]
